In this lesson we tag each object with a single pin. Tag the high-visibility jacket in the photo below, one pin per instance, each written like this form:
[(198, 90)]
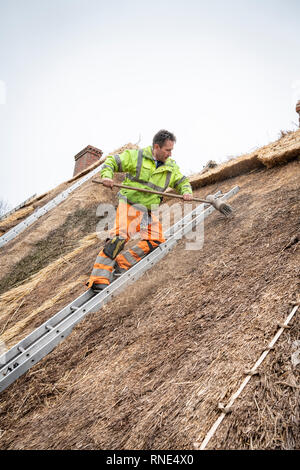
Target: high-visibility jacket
[(141, 170)]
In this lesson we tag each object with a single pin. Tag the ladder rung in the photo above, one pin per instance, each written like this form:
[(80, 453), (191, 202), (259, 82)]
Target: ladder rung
[(73, 308)]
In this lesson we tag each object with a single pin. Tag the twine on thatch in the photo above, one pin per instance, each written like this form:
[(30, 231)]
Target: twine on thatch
[(228, 408)]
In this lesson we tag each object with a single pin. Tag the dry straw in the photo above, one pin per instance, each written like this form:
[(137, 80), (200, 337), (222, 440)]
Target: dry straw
[(20, 214), (18, 327), (228, 408)]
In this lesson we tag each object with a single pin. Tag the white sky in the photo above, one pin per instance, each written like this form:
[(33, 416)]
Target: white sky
[(223, 75)]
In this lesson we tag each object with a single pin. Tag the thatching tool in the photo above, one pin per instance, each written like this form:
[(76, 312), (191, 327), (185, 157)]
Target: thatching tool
[(220, 206)]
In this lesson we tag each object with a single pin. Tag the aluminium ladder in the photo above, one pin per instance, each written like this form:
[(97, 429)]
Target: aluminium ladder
[(21, 357)]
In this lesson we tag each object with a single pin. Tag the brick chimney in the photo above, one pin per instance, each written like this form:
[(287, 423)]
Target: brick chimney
[(298, 110), (85, 158)]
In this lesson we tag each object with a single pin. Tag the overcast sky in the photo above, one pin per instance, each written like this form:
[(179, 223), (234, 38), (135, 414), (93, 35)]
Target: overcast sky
[(223, 75)]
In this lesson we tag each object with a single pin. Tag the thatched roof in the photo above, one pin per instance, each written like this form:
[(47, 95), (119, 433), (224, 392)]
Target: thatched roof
[(149, 370)]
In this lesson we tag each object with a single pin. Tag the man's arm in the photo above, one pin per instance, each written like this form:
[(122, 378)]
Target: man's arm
[(108, 182), (114, 163), (182, 185)]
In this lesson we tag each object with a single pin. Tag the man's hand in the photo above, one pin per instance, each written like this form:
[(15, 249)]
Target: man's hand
[(187, 197), (108, 182)]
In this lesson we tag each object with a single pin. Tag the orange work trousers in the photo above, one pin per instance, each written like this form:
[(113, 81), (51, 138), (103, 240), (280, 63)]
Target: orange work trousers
[(129, 221)]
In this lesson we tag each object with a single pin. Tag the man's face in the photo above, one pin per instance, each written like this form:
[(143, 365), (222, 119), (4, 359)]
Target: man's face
[(164, 152)]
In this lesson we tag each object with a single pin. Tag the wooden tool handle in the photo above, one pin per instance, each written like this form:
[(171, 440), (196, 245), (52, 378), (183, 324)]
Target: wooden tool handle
[(179, 196)]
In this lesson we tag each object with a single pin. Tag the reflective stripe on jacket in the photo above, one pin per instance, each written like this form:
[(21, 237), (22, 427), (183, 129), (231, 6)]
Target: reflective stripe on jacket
[(141, 172)]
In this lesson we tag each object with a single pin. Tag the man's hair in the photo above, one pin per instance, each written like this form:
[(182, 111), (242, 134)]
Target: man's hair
[(163, 135)]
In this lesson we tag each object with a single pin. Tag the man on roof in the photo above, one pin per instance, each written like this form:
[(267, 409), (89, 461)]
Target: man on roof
[(148, 168)]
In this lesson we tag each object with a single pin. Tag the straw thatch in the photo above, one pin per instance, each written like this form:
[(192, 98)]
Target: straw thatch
[(10, 300), (282, 151), (15, 218)]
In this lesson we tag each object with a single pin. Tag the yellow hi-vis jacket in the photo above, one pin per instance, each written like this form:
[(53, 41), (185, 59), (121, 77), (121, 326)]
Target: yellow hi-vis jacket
[(142, 173)]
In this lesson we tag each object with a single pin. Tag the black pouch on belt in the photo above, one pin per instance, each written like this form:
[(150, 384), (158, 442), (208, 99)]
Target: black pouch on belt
[(113, 247)]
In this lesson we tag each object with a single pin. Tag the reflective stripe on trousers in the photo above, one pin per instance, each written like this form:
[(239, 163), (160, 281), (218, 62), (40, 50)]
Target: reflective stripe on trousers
[(102, 270), (135, 254)]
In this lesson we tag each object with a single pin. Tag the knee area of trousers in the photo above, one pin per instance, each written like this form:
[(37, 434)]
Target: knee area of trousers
[(152, 244)]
